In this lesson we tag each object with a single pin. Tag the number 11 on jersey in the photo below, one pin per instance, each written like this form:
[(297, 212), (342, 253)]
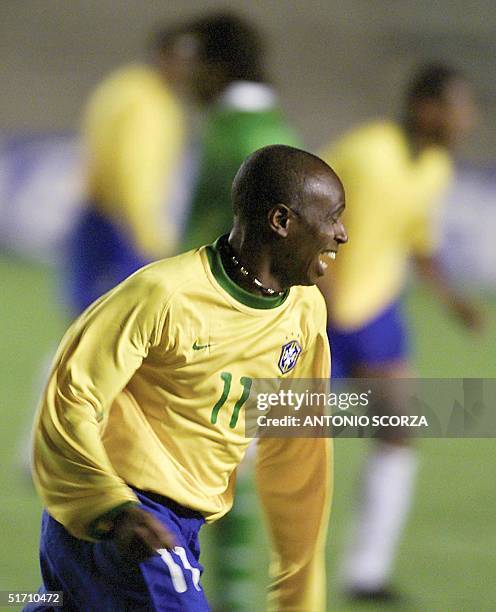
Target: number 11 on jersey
[(227, 379)]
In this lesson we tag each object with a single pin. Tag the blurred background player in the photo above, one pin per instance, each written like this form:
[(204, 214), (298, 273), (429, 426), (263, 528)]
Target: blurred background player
[(134, 143), (394, 174), (243, 114), (133, 134)]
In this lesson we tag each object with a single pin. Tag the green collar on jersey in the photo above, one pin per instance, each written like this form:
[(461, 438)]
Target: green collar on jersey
[(234, 290)]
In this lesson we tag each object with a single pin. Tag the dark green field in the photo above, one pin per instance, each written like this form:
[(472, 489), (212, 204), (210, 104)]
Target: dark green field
[(447, 561)]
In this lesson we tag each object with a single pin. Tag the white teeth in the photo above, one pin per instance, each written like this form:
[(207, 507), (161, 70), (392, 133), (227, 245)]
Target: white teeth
[(325, 255)]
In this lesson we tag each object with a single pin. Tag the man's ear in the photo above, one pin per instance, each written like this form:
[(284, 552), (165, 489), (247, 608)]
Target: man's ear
[(279, 219)]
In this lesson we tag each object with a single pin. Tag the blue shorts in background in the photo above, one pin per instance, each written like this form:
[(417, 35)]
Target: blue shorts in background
[(100, 254), (94, 578), (381, 341)]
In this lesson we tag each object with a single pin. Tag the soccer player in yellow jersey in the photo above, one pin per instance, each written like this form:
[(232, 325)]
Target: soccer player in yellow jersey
[(139, 431), (133, 133), (394, 174)]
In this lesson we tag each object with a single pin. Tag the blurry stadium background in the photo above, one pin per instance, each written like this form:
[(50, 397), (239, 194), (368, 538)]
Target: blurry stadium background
[(335, 63)]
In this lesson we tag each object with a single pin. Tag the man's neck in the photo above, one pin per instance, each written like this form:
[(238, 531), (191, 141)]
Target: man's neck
[(419, 141), (253, 268)]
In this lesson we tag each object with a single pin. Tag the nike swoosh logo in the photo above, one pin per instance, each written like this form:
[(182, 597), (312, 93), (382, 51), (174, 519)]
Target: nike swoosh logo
[(199, 347)]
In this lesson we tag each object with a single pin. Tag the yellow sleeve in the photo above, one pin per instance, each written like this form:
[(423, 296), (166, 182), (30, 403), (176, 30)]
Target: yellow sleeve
[(96, 359), (294, 481), (147, 152), (293, 477)]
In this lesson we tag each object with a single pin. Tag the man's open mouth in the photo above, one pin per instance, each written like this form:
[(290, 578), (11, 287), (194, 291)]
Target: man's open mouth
[(325, 256), (330, 253)]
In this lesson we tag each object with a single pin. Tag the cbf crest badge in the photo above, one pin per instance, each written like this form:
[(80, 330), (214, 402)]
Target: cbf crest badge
[(289, 356)]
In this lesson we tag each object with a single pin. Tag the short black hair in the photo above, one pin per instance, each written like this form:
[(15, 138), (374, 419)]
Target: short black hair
[(272, 175), (429, 82), (228, 40)]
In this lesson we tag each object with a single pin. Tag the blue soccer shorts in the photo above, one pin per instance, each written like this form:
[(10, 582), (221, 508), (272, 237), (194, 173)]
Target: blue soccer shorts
[(93, 577), (383, 340), (100, 254)]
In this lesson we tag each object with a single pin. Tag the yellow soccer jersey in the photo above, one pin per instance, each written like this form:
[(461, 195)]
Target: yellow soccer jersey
[(147, 390), (133, 134), (390, 200)]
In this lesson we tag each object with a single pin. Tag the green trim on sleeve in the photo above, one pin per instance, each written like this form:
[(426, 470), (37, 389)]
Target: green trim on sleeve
[(102, 526), (234, 290)]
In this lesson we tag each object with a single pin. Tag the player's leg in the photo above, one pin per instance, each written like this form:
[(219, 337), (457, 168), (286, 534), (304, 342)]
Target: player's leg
[(234, 540), (384, 501), (388, 479)]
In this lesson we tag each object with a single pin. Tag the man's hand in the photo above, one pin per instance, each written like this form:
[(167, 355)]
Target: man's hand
[(138, 534), (466, 312)]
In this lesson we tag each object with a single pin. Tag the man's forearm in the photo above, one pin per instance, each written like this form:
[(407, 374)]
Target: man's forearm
[(463, 309)]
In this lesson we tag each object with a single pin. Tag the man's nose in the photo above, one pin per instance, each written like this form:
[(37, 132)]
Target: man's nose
[(340, 234)]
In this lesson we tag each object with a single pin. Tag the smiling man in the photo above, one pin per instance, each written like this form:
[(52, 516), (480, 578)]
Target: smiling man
[(139, 432)]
